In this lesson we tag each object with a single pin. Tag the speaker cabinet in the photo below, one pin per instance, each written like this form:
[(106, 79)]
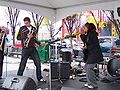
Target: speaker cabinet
[(60, 70), (54, 70), (19, 83), (64, 70)]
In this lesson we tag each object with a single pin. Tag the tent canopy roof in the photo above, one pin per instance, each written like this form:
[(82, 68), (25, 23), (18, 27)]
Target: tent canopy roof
[(58, 9), (56, 4)]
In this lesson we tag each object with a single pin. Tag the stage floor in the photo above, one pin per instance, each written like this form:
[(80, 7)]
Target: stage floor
[(11, 67), (73, 85)]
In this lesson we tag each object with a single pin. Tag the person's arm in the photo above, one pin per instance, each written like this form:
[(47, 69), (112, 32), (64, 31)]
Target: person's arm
[(37, 43), (83, 37), (93, 41), (35, 36), (21, 34)]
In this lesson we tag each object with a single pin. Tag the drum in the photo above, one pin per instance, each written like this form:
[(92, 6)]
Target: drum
[(113, 68), (76, 50)]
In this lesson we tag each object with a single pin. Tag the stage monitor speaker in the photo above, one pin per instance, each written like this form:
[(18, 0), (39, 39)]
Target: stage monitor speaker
[(118, 11), (19, 83)]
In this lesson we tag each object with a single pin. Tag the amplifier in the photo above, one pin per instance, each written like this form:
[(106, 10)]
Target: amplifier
[(60, 70), (54, 70), (64, 70)]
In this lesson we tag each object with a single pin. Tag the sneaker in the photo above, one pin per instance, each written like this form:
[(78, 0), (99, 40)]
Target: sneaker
[(86, 85), (91, 87), (70, 77), (105, 80), (42, 80), (39, 89)]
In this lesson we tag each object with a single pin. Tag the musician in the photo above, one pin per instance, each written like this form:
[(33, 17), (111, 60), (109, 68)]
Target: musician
[(27, 35), (94, 54), (3, 32)]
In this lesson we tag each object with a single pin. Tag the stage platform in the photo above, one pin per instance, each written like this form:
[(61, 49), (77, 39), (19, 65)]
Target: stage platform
[(70, 84)]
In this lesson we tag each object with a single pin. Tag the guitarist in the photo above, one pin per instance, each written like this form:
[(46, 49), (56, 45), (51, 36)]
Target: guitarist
[(29, 39), (3, 32)]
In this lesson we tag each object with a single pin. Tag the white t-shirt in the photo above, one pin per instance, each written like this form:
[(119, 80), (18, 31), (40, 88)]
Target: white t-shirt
[(29, 28)]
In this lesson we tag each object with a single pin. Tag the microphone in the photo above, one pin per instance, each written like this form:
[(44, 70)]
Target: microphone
[(58, 31), (60, 27)]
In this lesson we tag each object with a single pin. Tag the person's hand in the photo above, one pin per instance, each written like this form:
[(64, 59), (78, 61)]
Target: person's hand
[(30, 35), (83, 30), (36, 45), (43, 44), (85, 47)]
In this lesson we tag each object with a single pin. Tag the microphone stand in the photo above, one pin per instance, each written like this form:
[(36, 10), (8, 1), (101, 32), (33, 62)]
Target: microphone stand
[(57, 31), (6, 60)]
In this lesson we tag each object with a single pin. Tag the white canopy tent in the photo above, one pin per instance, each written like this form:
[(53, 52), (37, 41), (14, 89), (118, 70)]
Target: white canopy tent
[(58, 9)]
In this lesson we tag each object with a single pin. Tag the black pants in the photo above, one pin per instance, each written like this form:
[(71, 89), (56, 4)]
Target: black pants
[(26, 53), (1, 62)]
